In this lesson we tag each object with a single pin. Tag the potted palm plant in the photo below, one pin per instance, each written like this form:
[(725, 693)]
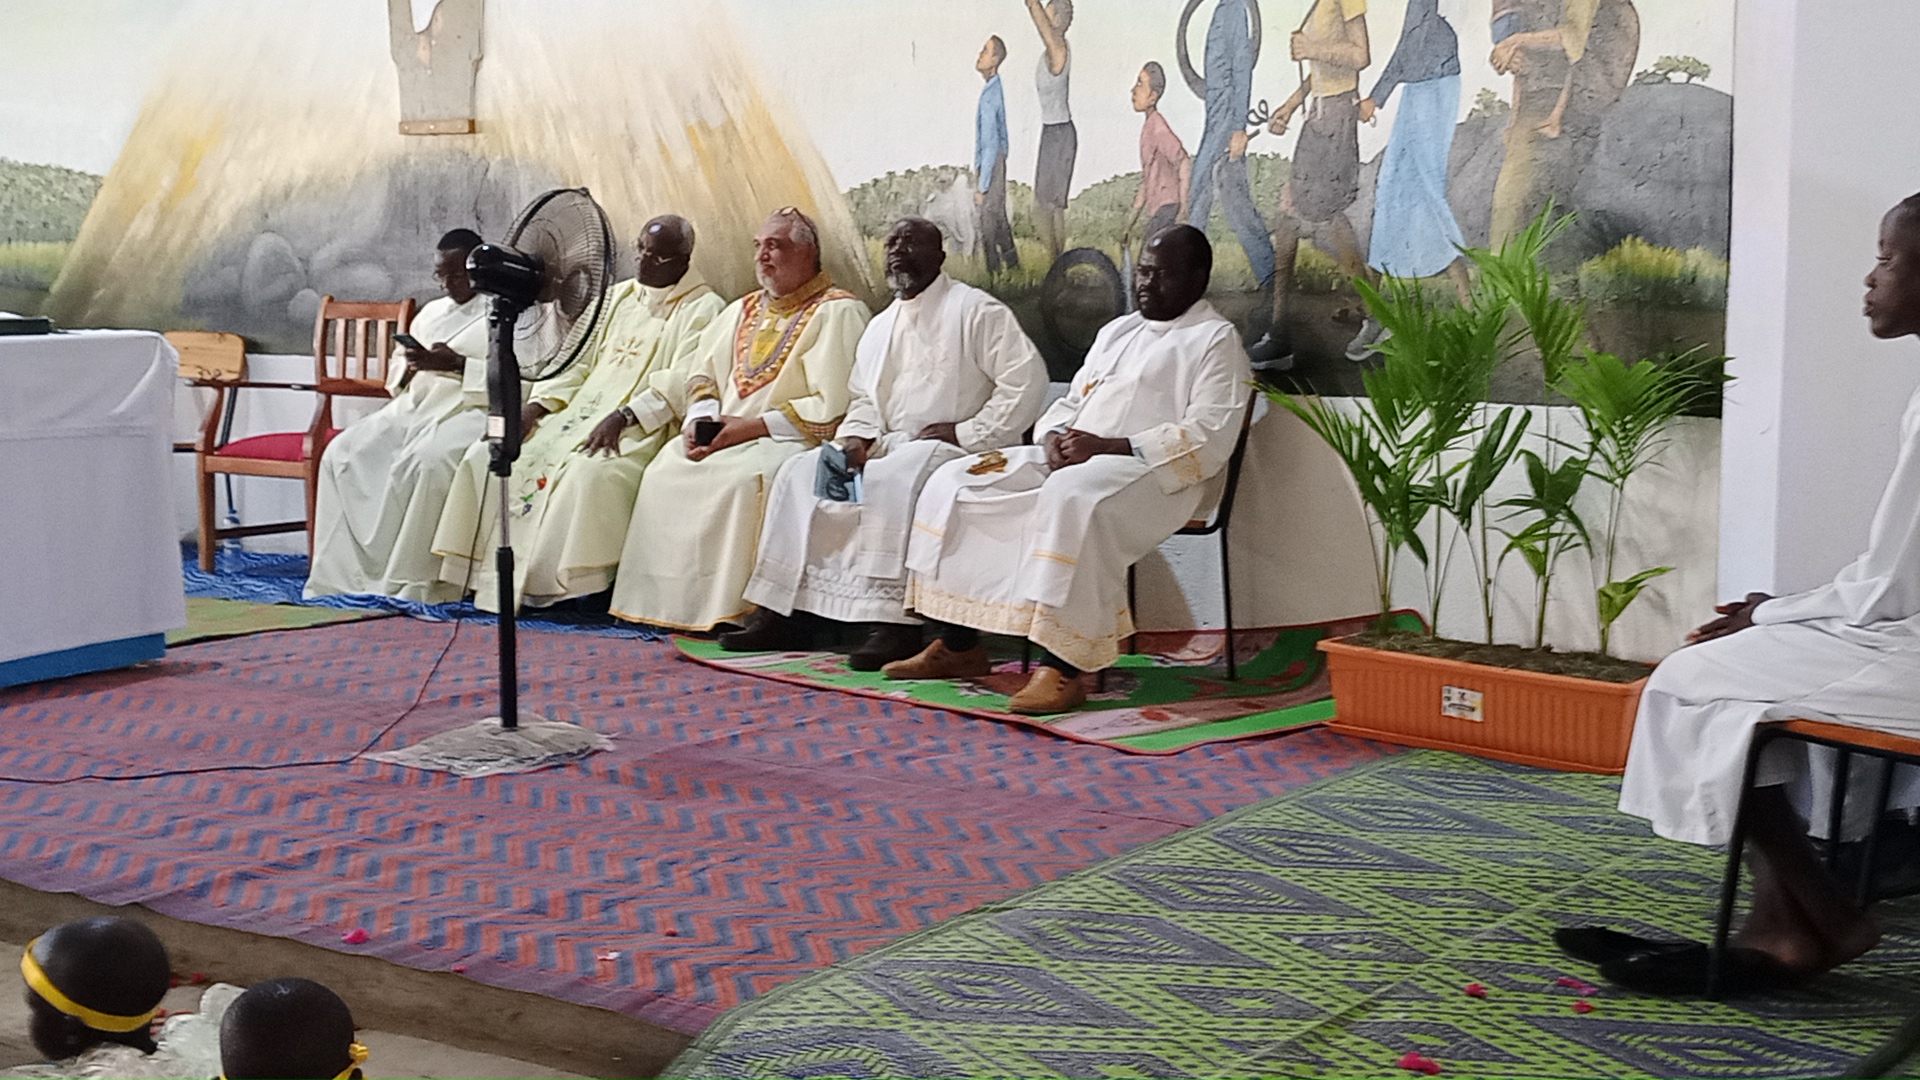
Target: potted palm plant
[(1427, 451)]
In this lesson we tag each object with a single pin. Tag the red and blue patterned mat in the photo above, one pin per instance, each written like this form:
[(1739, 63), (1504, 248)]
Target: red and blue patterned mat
[(742, 832)]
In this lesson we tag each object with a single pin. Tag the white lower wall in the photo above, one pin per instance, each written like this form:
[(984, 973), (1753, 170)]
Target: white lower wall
[(1299, 541)]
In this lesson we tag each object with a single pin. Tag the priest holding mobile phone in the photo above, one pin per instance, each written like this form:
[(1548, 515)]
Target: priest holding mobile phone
[(384, 479), (943, 372), (767, 381)]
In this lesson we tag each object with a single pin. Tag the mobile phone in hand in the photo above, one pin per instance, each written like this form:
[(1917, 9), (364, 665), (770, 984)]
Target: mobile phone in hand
[(409, 341), (705, 431)]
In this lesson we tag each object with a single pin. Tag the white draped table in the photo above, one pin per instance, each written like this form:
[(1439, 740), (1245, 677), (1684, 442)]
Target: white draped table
[(89, 551)]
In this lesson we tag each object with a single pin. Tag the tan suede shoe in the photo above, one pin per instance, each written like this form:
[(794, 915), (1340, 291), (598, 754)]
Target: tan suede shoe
[(936, 661), (1048, 692)]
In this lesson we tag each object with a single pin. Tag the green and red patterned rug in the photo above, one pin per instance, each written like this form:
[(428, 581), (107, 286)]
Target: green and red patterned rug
[(1146, 707), (1327, 932)]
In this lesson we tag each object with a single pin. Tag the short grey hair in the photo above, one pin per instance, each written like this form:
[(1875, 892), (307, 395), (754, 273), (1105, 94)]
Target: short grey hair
[(800, 228)]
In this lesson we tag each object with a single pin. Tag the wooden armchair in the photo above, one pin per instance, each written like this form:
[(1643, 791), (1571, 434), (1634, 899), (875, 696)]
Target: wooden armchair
[(352, 346)]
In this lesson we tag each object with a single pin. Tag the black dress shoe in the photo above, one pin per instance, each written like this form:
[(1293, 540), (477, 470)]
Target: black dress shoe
[(765, 631), (1598, 945), (885, 643), (1683, 971)]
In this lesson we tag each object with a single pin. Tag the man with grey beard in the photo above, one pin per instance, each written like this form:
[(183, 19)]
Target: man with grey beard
[(943, 372)]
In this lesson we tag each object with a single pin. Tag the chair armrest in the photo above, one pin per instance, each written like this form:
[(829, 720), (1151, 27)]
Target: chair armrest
[(250, 384)]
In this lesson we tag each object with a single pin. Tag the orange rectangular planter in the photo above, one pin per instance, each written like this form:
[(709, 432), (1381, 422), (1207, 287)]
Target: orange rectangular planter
[(1553, 721)]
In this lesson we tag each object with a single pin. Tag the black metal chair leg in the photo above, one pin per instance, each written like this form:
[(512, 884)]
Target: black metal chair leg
[(1837, 807), (1863, 884), (1133, 639), (1730, 880), (1226, 602)]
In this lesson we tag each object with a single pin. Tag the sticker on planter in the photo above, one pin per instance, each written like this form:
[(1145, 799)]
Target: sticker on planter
[(1463, 704)]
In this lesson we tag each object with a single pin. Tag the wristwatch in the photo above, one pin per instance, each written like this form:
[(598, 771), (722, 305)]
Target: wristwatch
[(626, 412)]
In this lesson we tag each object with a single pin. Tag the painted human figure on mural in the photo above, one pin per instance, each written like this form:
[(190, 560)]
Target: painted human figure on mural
[(990, 160), (1415, 233), (1569, 59), (1059, 139), (1166, 171), (1220, 162), (1325, 181)]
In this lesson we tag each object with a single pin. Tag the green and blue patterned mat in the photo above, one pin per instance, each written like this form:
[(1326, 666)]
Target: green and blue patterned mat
[(1328, 932)]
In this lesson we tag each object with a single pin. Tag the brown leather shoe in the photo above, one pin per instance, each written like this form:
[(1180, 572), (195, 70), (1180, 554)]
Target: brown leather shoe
[(936, 661), (1048, 692)]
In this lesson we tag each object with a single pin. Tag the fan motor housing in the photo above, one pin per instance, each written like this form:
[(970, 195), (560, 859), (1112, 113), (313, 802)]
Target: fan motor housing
[(512, 275)]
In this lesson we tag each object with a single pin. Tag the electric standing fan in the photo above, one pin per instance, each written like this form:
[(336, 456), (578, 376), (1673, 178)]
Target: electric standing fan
[(549, 287)]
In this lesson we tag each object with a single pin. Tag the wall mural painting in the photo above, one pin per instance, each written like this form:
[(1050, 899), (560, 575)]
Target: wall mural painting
[(1317, 141)]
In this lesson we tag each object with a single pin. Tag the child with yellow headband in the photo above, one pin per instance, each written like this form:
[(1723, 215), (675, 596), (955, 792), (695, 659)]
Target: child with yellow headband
[(289, 1029), (94, 988), (94, 981)]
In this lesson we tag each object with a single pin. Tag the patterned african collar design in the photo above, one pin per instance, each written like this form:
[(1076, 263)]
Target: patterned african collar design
[(760, 345)]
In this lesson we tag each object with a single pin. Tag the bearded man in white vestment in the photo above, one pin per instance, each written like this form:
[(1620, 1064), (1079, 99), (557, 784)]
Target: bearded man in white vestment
[(384, 479), (591, 436), (1036, 540), (1846, 652), (767, 381), (943, 372)]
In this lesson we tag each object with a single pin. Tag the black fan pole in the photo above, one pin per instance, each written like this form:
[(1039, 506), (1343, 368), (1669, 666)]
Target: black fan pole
[(503, 431)]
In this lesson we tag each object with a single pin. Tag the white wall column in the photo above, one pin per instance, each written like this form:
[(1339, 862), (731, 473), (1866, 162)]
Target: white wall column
[(1819, 155)]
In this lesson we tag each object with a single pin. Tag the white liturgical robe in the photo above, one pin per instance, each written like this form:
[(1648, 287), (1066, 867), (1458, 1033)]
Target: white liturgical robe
[(384, 478), (1014, 547), (570, 510), (696, 524), (951, 355), (1848, 652)]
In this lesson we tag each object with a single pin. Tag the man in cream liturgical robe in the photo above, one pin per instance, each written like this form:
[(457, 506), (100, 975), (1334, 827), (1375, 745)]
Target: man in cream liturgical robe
[(943, 372), (573, 487), (384, 479), (1036, 540), (1846, 652), (772, 370)]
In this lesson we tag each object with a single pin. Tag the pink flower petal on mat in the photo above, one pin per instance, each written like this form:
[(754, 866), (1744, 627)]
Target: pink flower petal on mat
[(1426, 1066), (459, 969), (1584, 989), (1474, 990), (1583, 1006), (669, 932), (609, 957), (356, 936)]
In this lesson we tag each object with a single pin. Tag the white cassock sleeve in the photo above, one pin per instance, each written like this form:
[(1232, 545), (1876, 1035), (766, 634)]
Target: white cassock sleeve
[(1882, 585), (1005, 355), (1189, 450)]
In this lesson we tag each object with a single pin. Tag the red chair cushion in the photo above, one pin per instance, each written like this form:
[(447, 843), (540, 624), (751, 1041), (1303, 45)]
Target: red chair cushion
[(280, 446)]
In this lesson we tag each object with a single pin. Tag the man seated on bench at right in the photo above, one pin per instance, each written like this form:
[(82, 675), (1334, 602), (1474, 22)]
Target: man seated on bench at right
[(1846, 652)]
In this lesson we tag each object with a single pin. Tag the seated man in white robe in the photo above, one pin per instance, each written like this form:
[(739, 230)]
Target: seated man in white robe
[(943, 372), (1845, 652), (767, 381), (1036, 540), (591, 434), (384, 478)]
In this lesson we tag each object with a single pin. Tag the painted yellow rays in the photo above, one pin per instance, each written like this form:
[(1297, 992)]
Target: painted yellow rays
[(649, 103)]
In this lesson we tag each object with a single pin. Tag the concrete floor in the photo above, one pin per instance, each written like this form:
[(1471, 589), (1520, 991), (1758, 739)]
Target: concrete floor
[(391, 1056)]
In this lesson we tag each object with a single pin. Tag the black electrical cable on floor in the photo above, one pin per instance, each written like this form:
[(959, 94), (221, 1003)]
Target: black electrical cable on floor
[(419, 697)]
